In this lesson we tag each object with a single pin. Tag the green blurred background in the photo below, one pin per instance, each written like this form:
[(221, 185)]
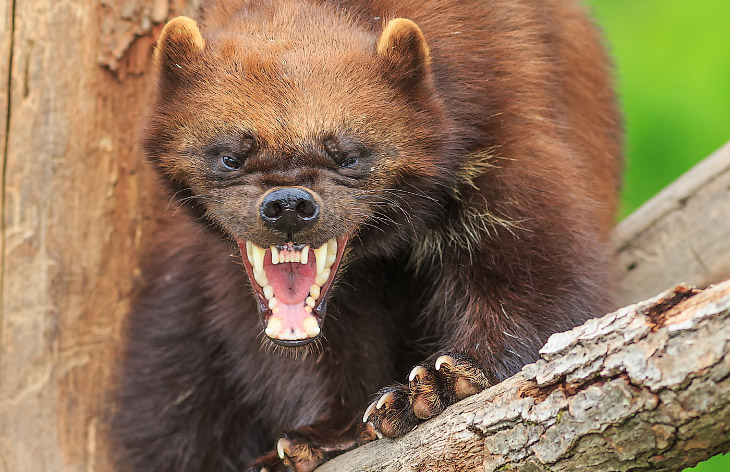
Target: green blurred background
[(673, 77)]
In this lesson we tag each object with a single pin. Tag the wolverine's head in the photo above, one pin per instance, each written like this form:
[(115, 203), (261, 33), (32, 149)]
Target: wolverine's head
[(305, 143)]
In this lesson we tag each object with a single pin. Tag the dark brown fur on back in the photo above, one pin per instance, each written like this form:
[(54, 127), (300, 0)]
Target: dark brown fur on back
[(481, 225)]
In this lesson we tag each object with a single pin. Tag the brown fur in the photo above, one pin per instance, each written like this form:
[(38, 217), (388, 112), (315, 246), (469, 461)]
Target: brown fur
[(490, 155)]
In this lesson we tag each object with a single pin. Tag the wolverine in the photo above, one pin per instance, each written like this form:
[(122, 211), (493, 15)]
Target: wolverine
[(385, 206)]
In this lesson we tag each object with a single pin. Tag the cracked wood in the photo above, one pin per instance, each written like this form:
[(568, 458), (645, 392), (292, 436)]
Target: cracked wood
[(76, 202)]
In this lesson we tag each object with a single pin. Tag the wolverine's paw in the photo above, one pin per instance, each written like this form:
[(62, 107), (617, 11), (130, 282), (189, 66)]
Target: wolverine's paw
[(268, 463), (306, 448), (431, 388), (294, 452)]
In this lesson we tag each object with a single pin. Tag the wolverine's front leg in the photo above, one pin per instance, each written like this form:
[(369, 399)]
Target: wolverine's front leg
[(479, 348), (491, 310), (358, 357)]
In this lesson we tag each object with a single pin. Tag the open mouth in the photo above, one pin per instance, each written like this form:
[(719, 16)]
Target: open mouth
[(291, 283)]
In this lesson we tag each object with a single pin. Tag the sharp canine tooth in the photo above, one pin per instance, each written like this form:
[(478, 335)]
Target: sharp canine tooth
[(331, 258), (260, 278), (258, 258), (268, 292), (332, 247), (249, 252), (305, 254), (314, 291), (308, 309), (320, 256), (274, 255), (273, 327), (310, 302), (311, 327), (322, 277), (272, 303)]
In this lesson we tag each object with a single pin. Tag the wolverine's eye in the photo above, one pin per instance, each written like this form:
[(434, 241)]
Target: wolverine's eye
[(342, 157), (228, 153), (230, 163), (348, 161)]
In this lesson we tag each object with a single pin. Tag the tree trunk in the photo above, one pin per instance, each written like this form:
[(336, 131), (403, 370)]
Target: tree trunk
[(644, 388), (77, 202)]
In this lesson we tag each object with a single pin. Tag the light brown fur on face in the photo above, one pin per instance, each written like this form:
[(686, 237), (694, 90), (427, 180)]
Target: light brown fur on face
[(291, 92), (468, 151)]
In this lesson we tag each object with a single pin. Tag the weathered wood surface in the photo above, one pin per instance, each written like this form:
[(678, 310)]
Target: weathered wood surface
[(644, 388), (76, 198), (6, 36), (680, 235)]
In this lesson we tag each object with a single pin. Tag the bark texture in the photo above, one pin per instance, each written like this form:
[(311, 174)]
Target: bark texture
[(644, 388), (76, 200)]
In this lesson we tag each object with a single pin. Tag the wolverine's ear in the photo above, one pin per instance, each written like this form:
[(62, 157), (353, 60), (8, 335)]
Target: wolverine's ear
[(178, 45), (406, 53)]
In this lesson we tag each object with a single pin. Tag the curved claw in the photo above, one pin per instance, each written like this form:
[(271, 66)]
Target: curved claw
[(282, 446), (368, 412), (386, 397), (445, 359), (417, 371), (372, 432)]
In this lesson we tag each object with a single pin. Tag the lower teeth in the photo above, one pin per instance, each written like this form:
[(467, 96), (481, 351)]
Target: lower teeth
[(310, 325), (273, 327)]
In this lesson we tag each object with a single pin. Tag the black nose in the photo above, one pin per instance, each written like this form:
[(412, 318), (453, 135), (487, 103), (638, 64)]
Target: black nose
[(289, 210)]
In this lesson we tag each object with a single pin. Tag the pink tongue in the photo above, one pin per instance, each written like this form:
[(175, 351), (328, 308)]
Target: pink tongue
[(291, 317), (291, 281)]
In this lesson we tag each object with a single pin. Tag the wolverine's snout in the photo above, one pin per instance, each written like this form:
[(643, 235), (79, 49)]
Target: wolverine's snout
[(289, 210)]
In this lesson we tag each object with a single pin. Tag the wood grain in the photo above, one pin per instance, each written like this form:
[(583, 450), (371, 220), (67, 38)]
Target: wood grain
[(76, 201), (680, 235)]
